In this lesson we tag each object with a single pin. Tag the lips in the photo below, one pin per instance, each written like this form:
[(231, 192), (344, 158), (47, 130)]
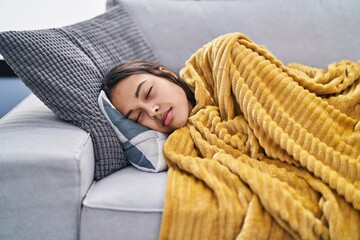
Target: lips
[(167, 117)]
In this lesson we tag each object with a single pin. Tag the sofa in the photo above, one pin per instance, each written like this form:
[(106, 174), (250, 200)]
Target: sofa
[(47, 184)]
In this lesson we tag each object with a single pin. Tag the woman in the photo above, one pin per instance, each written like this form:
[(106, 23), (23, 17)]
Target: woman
[(149, 94)]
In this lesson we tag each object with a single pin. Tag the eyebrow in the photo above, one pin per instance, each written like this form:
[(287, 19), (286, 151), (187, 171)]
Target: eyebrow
[(137, 93)]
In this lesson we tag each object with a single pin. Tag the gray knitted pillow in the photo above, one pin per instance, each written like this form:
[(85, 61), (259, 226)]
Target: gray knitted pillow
[(64, 67)]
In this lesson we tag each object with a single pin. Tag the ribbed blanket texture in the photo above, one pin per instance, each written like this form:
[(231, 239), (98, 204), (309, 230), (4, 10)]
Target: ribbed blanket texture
[(269, 151)]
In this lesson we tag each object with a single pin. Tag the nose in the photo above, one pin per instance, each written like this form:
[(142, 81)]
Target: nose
[(153, 111), (156, 109)]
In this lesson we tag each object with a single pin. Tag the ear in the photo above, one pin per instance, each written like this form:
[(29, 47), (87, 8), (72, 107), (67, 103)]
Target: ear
[(164, 69)]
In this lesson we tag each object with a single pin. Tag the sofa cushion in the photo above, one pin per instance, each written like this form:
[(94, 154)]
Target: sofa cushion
[(65, 67), (142, 146), (126, 205), (304, 31)]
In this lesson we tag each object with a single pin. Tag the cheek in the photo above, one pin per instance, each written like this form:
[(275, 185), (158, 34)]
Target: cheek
[(184, 117), (176, 94)]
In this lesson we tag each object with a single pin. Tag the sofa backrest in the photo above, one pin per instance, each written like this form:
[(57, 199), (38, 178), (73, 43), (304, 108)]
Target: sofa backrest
[(312, 32)]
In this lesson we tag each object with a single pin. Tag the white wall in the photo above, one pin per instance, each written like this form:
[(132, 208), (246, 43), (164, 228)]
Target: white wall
[(39, 14)]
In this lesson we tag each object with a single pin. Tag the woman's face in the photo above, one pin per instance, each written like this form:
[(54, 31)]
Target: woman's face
[(152, 101)]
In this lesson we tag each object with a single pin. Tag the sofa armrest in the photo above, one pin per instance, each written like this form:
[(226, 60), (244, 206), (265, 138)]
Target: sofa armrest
[(46, 168)]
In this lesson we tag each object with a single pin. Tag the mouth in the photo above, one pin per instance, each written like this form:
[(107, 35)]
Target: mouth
[(168, 115)]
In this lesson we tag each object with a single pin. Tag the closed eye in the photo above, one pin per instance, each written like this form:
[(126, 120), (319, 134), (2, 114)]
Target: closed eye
[(138, 116), (148, 93)]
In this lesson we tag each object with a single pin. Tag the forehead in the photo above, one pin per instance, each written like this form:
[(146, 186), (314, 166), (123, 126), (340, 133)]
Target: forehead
[(132, 81), (128, 84), (125, 90)]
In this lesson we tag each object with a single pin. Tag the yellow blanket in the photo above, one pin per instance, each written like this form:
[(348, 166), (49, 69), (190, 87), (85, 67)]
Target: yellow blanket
[(269, 152)]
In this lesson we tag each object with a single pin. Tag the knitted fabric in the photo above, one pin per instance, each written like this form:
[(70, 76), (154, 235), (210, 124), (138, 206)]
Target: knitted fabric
[(269, 151)]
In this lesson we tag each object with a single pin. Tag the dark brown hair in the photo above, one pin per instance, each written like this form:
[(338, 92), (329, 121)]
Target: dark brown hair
[(128, 68)]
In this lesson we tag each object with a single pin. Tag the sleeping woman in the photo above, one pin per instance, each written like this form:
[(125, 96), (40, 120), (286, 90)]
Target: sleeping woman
[(149, 94), (257, 149)]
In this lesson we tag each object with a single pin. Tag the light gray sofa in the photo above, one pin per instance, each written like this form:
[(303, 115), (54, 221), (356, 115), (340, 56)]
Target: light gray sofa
[(47, 165)]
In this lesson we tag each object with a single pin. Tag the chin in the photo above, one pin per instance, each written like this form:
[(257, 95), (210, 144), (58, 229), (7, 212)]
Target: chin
[(172, 128)]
